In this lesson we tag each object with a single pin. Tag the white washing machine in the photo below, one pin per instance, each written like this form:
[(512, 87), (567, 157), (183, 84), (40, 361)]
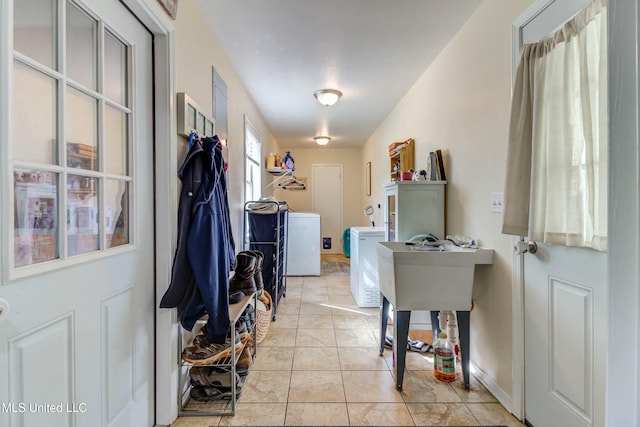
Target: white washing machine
[(303, 244), (364, 265)]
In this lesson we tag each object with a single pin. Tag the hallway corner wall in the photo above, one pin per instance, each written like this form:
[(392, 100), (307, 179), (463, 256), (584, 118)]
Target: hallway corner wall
[(197, 51)]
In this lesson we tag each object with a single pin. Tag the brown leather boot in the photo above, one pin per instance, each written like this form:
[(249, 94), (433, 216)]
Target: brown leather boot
[(257, 277), (242, 279)]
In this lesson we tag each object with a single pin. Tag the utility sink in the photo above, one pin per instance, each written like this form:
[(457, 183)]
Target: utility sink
[(434, 279), (417, 278)]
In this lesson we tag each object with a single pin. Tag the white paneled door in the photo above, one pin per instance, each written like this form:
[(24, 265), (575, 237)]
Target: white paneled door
[(77, 328), (326, 181), (565, 303)]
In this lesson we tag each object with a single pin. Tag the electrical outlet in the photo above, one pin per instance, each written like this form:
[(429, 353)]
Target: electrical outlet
[(496, 201)]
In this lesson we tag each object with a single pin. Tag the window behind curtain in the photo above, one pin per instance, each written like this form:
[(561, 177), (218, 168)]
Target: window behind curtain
[(557, 176), (253, 162)]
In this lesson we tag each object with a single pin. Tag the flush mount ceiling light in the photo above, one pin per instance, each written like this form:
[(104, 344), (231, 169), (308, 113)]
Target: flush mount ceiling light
[(322, 140), (327, 97)]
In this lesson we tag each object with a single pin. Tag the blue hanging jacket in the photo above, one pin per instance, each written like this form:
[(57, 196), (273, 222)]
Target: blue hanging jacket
[(201, 285)]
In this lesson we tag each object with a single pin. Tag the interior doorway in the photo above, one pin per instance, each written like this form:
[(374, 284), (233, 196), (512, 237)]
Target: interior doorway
[(326, 193)]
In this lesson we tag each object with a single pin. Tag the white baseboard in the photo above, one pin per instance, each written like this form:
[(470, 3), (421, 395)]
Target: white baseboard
[(492, 387), (419, 326), (420, 320)]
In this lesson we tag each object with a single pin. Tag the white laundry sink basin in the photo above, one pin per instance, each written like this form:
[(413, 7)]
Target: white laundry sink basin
[(412, 278)]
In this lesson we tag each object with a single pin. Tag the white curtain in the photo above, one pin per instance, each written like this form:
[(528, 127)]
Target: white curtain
[(556, 180)]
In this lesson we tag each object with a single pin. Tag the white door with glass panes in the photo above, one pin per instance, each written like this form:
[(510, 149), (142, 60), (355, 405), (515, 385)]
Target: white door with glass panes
[(565, 301), (77, 338)]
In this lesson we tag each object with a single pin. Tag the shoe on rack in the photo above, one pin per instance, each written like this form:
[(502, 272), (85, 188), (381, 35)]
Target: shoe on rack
[(242, 333), (205, 353), (245, 360), (244, 272), (247, 340), (211, 394), (249, 317), (235, 297), (241, 327), (246, 335), (211, 376), (202, 339), (257, 276)]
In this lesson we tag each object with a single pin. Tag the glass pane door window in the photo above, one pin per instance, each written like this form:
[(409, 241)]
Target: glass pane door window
[(71, 134), (35, 216)]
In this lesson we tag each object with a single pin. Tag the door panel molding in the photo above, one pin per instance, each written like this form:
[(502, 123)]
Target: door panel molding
[(27, 373), (571, 349), (118, 353)]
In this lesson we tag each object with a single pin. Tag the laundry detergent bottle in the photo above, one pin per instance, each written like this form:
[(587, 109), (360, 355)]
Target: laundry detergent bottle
[(287, 162), (271, 161), (444, 359)]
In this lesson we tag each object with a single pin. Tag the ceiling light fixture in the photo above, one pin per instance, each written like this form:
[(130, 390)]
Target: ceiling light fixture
[(322, 140), (327, 97)]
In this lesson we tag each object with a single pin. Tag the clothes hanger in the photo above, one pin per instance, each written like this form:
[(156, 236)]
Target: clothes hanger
[(292, 184), (279, 180)]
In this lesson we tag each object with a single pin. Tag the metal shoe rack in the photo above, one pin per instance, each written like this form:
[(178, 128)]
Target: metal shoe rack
[(187, 405), (265, 226)]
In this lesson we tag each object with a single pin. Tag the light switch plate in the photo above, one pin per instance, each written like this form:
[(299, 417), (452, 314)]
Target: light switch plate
[(496, 202)]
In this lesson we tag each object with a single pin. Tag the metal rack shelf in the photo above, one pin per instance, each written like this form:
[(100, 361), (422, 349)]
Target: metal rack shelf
[(188, 406)]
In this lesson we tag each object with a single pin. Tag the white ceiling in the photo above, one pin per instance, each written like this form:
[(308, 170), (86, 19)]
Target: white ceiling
[(371, 50)]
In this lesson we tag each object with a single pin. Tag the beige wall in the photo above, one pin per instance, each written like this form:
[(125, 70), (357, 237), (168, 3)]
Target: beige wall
[(353, 178), (461, 106), (197, 51)]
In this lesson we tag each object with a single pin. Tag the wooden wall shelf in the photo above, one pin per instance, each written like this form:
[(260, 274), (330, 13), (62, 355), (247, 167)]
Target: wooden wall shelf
[(401, 158)]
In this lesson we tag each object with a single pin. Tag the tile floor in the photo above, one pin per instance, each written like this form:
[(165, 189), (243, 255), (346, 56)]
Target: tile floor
[(319, 365)]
